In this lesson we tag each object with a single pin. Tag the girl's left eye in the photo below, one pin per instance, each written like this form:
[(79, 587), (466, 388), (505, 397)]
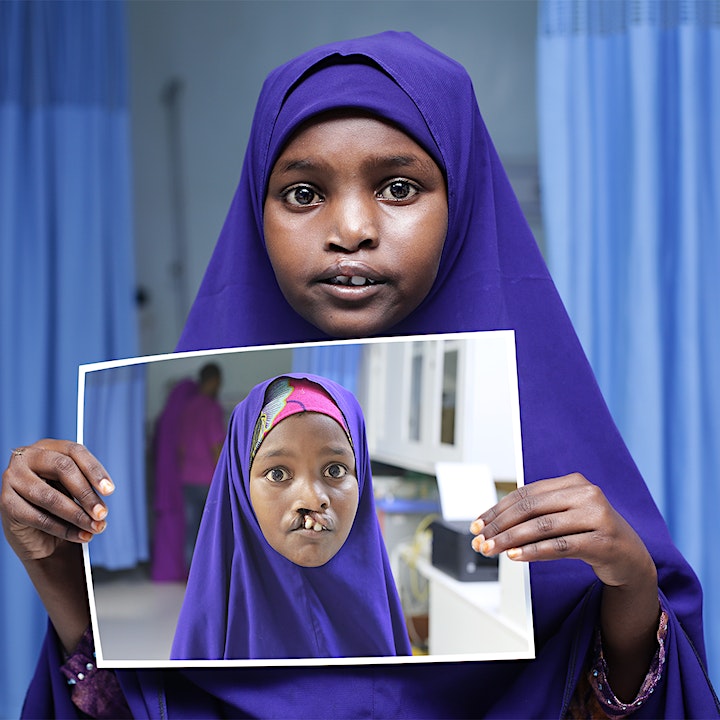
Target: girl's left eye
[(335, 471), (277, 475), (398, 191)]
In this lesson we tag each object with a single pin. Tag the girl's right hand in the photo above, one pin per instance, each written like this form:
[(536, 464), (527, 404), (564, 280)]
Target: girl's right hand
[(52, 493)]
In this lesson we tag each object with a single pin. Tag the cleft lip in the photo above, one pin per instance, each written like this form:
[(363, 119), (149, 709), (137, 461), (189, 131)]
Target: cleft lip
[(299, 520)]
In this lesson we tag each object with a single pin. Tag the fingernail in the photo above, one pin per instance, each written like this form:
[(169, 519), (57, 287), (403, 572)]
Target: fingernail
[(477, 543), (514, 553), (85, 536), (106, 486), (487, 546), (98, 527), (100, 512), (477, 526)]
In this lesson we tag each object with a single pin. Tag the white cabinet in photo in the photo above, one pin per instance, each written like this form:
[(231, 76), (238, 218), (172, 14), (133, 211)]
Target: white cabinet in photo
[(447, 399)]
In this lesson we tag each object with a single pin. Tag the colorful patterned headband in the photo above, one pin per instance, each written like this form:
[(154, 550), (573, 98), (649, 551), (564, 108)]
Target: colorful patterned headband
[(287, 396)]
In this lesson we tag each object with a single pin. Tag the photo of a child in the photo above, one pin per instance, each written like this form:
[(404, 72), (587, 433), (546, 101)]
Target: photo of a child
[(290, 562)]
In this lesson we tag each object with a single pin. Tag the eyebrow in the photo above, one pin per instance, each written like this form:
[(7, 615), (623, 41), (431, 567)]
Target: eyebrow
[(285, 451), (377, 161)]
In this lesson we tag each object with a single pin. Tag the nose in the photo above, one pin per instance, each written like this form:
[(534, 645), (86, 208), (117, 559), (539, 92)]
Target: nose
[(311, 494), (354, 224)]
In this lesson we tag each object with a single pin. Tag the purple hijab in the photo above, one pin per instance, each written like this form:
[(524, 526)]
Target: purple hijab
[(491, 276), (245, 600)]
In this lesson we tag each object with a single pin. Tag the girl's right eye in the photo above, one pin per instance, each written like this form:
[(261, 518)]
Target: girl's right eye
[(277, 475), (302, 196)]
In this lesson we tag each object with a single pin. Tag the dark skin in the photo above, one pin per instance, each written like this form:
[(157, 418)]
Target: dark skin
[(305, 468), (565, 517), (568, 517), (352, 199), (45, 527)]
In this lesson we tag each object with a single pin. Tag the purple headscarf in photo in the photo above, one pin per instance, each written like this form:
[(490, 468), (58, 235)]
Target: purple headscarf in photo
[(491, 276), (244, 600)]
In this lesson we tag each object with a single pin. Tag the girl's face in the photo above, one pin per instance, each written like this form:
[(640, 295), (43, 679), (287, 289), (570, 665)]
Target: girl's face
[(304, 489), (355, 220)]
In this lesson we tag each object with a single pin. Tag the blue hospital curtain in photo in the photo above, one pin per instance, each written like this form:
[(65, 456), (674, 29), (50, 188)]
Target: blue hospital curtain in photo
[(629, 111), (114, 431), (66, 265), (339, 362)]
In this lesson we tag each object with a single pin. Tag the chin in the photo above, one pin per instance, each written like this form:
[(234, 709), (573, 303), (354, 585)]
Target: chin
[(351, 328), (310, 562)]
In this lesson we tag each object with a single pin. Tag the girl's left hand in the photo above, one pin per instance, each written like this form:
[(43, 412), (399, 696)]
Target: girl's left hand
[(565, 517), (569, 517)]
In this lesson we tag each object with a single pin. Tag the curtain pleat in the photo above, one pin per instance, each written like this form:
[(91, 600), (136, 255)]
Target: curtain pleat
[(66, 261), (629, 109), (113, 430)]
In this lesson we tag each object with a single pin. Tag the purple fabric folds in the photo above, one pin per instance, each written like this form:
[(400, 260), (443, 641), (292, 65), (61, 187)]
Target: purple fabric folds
[(352, 84), (245, 600), (491, 276)]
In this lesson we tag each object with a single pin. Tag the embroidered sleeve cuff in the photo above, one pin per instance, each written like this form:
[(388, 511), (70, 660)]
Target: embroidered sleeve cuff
[(598, 676), (94, 691)]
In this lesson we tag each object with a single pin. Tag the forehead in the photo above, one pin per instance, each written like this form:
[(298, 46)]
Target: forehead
[(343, 131)]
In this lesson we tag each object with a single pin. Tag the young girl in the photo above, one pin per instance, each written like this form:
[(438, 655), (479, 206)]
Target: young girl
[(340, 227), (290, 561)]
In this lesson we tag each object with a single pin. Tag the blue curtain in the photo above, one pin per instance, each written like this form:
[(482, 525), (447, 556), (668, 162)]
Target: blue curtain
[(114, 431), (340, 363), (629, 110), (66, 265)]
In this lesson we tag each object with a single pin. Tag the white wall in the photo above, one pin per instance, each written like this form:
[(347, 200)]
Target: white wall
[(221, 52)]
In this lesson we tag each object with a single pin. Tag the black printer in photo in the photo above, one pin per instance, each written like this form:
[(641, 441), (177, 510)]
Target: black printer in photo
[(465, 489), (452, 552)]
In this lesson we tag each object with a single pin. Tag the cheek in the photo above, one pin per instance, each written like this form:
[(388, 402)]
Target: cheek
[(285, 253), (423, 239), (265, 509), (421, 266), (435, 236), (437, 227), (276, 244), (347, 503), (275, 232)]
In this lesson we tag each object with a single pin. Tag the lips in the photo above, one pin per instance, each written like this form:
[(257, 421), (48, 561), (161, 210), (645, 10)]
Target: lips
[(311, 524), (351, 274), (354, 280), (313, 521)]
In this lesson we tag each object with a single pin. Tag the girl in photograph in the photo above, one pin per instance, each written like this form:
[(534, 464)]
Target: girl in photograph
[(290, 558)]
